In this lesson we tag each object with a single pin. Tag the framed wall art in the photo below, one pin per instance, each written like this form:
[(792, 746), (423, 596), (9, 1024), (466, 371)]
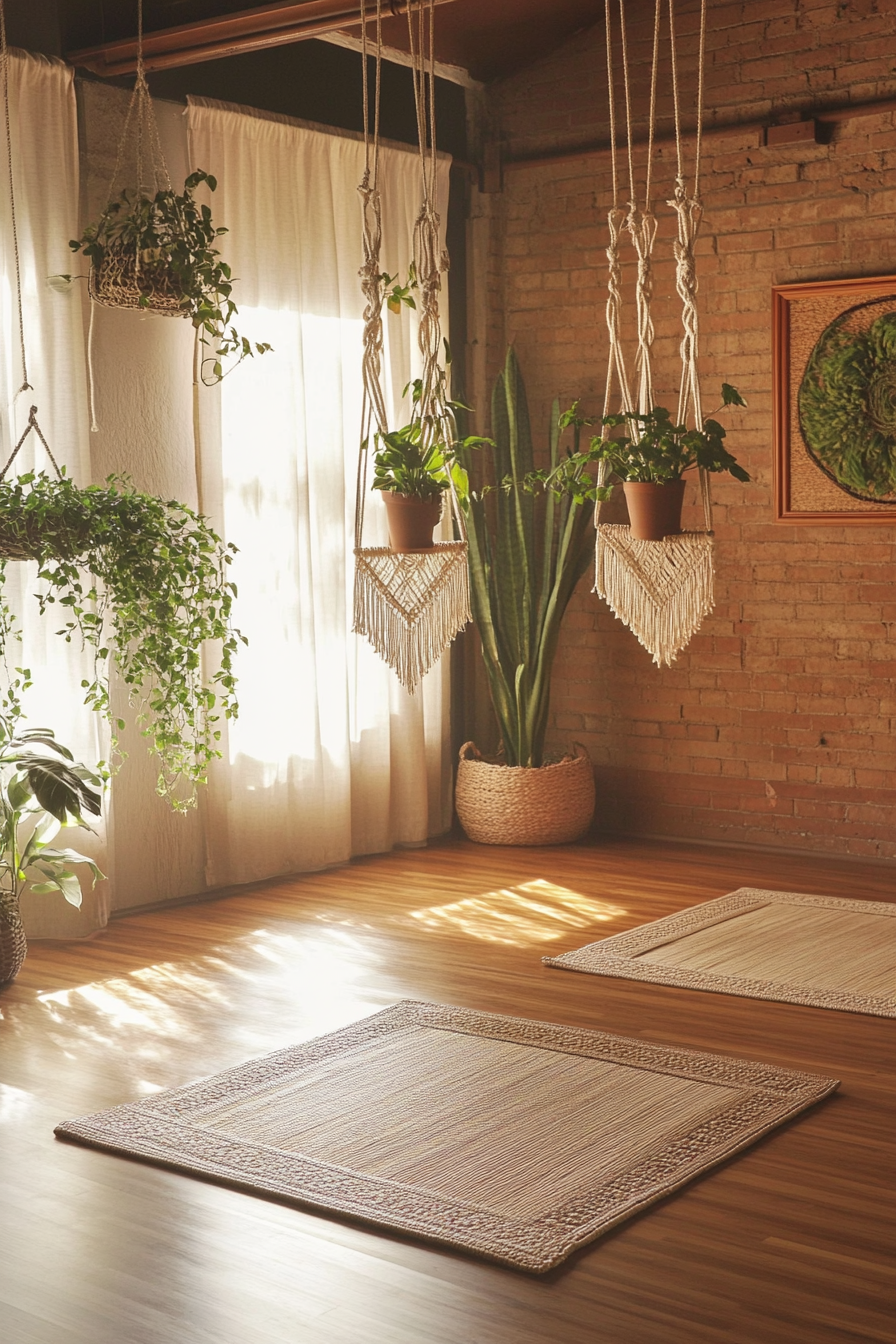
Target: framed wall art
[(834, 389)]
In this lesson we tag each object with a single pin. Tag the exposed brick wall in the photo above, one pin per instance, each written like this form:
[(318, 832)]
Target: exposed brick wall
[(776, 725)]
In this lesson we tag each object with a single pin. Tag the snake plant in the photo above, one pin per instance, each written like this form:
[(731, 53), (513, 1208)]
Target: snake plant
[(528, 548)]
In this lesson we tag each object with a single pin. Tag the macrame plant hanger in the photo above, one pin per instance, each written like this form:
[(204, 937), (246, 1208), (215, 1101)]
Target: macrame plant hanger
[(120, 282), (12, 548), (409, 604), (660, 589)]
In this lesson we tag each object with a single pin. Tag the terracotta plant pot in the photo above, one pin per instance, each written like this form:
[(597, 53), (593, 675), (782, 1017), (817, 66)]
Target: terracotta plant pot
[(412, 521), (522, 805), (654, 510)]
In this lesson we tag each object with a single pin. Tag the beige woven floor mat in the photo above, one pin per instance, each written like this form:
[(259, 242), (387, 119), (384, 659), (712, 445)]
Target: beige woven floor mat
[(515, 1140), (815, 950)]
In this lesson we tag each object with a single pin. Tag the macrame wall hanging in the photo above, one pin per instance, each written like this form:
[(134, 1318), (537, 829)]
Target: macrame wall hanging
[(409, 604), (660, 589)]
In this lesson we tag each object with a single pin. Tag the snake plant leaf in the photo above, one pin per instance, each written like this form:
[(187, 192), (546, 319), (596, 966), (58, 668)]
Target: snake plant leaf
[(527, 551)]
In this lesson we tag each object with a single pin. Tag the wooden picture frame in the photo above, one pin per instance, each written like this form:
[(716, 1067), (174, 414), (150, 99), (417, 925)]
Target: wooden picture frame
[(816, 481)]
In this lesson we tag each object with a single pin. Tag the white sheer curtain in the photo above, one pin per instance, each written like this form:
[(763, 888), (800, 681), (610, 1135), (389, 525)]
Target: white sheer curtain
[(330, 757), (45, 166)]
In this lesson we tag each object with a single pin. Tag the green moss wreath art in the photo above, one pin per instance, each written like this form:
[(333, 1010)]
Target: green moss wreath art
[(847, 405), (144, 583)]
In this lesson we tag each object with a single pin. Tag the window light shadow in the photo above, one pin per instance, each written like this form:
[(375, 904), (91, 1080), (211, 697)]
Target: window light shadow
[(532, 912), (153, 1009)]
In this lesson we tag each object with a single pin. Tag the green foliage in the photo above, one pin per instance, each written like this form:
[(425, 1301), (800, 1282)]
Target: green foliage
[(421, 458), (404, 465), (656, 449), (173, 237), (528, 548), (398, 295), (847, 407), (40, 792), (143, 580)]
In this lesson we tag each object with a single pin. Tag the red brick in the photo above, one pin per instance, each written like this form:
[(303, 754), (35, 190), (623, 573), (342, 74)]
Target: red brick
[(797, 647)]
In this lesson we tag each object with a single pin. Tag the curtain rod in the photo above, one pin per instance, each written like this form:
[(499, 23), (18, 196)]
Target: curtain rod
[(212, 39)]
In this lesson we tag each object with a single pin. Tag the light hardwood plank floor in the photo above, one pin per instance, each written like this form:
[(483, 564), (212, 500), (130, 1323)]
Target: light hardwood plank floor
[(789, 1243)]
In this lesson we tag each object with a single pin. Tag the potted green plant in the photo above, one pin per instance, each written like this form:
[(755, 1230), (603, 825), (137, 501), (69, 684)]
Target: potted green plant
[(530, 541), (651, 458), (412, 477), (415, 465), (157, 253), (143, 582), (42, 789)]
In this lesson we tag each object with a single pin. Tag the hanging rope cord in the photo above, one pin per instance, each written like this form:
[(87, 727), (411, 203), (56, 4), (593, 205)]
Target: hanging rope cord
[(689, 212), (430, 261), (152, 176), (4, 75), (373, 406), (26, 386), (140, 121), (642, 226)]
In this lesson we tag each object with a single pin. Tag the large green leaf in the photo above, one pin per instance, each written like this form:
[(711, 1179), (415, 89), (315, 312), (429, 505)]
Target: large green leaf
[(57, 788)]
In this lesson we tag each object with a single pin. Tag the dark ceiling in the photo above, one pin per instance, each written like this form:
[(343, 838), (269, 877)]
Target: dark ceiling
[(488, 38)]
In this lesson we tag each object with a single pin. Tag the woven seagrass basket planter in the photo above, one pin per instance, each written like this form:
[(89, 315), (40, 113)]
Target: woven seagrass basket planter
[(117, 283), (518, 805), (13, 944)]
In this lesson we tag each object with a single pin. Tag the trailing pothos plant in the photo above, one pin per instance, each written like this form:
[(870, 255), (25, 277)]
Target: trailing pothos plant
[(165, 243), (42, 789), (143, 582)]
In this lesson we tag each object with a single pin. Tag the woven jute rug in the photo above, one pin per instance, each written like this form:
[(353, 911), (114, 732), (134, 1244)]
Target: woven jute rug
[(515, 1140), (814, 950)]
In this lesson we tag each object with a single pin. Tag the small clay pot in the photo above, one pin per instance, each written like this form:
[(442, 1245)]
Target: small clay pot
[(654, 509), (412, 521)]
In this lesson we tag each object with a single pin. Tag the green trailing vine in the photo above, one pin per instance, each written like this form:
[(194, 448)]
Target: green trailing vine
[(847, 407), (143, 582)]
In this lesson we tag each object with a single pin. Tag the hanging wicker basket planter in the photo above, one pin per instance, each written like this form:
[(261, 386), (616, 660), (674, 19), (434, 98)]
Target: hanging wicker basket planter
[(120, 282), (522, 805)]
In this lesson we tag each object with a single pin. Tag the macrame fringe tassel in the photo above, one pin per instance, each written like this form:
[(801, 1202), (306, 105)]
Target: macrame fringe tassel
[(660, 589), (411, 604)]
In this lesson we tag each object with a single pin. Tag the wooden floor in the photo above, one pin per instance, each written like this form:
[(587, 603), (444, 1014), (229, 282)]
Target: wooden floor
[(789, 1243)]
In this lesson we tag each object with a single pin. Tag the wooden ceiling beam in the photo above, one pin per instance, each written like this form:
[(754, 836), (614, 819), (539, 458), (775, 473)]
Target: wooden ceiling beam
[(212, 39)]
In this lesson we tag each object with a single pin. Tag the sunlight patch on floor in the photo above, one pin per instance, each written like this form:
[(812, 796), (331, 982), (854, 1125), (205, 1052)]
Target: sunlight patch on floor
[(14, 1103), (173, 1000), (532, 912)]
